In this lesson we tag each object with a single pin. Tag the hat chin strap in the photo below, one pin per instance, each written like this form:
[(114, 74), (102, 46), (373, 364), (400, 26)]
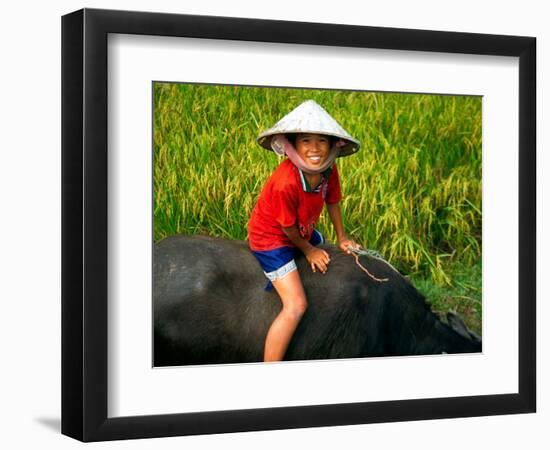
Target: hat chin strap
[(281, 146)]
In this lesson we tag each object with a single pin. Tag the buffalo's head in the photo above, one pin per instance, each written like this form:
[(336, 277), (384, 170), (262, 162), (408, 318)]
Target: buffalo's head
[(467, 340)]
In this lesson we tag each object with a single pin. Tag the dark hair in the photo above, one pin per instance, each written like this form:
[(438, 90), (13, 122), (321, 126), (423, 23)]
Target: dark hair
[(291, 137)]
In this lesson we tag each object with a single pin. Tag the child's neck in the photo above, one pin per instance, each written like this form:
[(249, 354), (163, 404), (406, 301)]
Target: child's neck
[(313, 179)]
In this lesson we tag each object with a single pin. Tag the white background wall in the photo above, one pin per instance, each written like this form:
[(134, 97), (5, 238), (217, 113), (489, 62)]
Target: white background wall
[(30, 225)]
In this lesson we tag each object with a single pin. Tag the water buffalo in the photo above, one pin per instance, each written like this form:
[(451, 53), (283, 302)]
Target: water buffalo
[(210, 307)]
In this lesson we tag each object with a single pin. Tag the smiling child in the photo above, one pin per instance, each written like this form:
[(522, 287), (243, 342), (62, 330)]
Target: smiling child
[(290, 204)]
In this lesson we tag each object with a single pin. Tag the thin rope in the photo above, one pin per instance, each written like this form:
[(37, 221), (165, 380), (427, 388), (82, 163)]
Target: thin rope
[(356, 253)]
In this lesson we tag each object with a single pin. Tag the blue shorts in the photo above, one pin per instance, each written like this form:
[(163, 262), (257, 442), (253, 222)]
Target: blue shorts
[(279, 262)]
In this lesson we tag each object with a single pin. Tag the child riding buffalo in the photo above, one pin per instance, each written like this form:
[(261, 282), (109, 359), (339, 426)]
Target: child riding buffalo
[(290, 204)]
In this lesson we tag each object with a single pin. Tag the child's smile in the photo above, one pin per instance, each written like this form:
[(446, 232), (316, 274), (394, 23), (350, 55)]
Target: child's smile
[(313, 148)]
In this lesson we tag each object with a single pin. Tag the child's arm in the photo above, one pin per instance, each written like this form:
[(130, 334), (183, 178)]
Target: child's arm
[(336, 219), (316, 257)]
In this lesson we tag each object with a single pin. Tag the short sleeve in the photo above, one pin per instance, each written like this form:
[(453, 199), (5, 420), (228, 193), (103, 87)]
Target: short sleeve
[(334, 193), (285, 206)]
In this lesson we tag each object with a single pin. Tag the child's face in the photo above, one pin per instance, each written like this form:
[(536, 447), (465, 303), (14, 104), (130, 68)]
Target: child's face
[(313, 148)]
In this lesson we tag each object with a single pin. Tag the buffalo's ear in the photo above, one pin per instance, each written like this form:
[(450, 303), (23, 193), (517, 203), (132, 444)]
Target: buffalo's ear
[(458, 325)]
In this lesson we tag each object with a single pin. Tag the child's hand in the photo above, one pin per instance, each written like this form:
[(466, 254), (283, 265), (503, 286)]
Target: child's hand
[(318, 258), (347, 244)]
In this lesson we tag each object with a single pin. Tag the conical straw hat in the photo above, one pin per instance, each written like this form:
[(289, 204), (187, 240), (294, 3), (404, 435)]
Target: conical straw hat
[(310, 117)]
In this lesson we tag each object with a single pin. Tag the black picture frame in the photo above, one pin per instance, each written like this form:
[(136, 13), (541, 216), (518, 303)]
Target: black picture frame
[(84, 224)]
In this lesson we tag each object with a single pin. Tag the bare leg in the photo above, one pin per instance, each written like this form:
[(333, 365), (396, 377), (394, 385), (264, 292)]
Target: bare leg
[(294, 301)]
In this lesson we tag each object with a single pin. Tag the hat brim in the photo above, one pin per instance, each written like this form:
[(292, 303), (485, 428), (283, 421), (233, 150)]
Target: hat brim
[(351, 146)]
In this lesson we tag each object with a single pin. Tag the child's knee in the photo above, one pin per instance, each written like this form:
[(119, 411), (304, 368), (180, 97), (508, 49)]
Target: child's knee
[(296, 309)]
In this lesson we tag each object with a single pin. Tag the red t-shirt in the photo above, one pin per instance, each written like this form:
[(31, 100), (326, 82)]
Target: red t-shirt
[(284, 202)]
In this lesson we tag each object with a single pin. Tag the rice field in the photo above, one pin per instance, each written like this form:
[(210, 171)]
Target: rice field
[(413, 191)]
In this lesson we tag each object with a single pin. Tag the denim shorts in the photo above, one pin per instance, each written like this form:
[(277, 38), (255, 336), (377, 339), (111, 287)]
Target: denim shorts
[(279, 262)]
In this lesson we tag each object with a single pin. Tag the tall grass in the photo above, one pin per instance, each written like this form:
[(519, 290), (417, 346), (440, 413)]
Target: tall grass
[(413, 191)]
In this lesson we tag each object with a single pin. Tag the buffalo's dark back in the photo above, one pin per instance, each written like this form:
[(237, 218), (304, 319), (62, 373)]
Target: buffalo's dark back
[(210, 306)]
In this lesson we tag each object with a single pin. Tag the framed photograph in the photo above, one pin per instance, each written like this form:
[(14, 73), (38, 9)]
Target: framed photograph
[(175, 130)]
